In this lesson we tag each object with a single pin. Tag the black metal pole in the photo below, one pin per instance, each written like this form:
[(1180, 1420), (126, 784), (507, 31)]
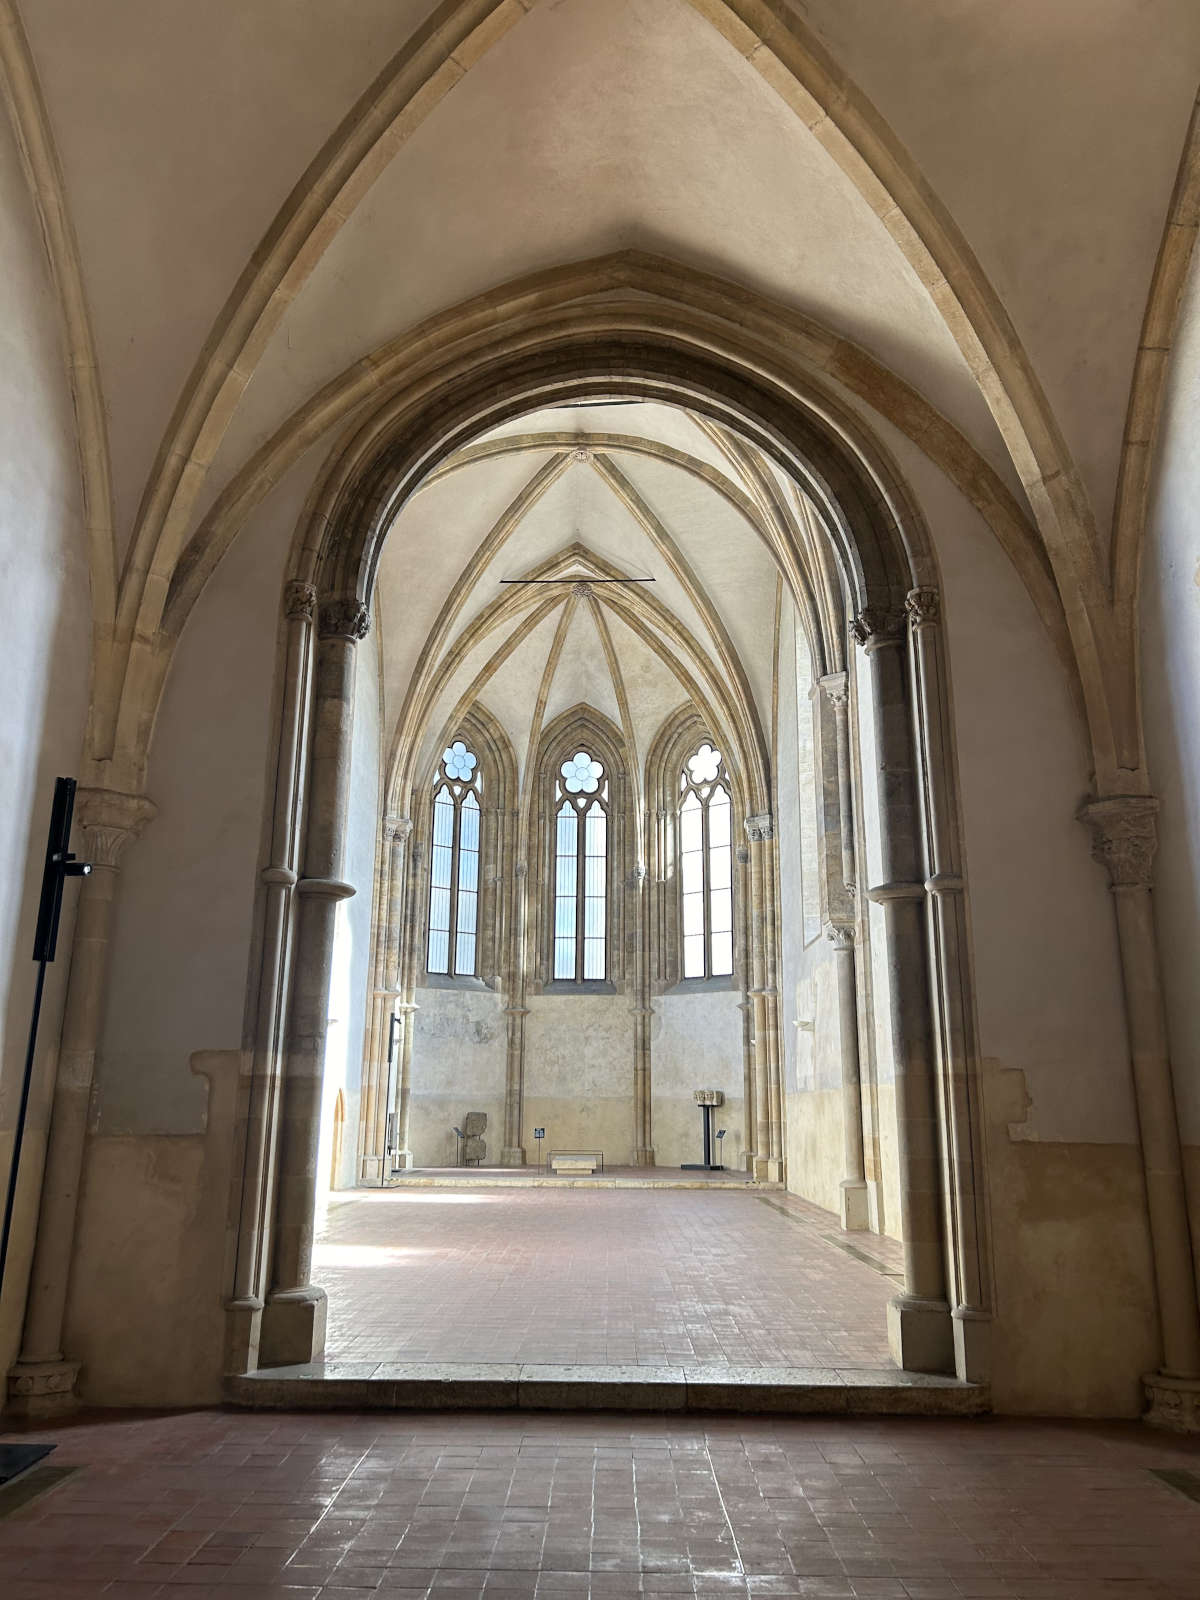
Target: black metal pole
[(19, 1136), (60, 864), (707, 1110)]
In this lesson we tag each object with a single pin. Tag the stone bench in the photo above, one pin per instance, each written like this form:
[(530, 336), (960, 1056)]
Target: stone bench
[(575, 1163)]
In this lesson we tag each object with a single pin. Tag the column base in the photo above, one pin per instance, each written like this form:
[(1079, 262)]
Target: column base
[(243, 1333), (371, 1172), (293, 1327), (972, 1331), (1174, 1403), (643, 1158), (402, 1161), (920, 1336), (855, 1205), (514, 1156), (42, 1388), (767, 1169)]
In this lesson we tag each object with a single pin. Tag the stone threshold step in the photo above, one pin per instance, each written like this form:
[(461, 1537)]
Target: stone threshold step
[(549, 1181), (461, 1386)]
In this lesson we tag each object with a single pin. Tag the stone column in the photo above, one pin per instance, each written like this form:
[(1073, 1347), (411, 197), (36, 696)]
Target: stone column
[(1125, 837), (836, 689), (764, 995), (854, 1208), (919, 1327), (515, 1012), (260, 1094), (293, 1323), (637, 899), (43, 1380), (746, 1007), (378, 1076), (950, 997)]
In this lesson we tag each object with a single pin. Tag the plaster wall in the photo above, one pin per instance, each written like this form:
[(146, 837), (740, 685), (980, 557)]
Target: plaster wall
[(147, 1282), (579, 1074), (458, 1063), (1170, 668), (695, 1043), (45, 628)]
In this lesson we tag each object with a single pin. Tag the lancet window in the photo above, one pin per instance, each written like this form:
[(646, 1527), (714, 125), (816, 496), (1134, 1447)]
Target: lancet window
[(706, 865), (581, 843), (454, 864)]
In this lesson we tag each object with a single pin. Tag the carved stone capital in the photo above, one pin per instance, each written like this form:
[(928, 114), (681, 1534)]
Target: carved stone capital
[(396, 830), (924, 606), (299, 601), (343, 617), (874, 626), (110, 821), (836, 687), (840, 935), (759, 828), (1124, 838)]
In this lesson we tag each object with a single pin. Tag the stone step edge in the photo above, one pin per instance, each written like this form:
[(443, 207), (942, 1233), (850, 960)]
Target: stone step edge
[(798, 1391)]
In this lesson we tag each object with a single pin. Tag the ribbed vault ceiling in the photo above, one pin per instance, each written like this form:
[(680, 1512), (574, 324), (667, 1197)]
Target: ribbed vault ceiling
[(582, 493)]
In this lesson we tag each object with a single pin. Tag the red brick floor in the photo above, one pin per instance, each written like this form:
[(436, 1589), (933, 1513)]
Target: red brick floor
[(601, 1276), (216, 1505)]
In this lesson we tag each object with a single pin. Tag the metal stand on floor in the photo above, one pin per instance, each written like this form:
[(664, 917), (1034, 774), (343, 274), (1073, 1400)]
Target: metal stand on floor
[(707, 1100), (60, 865)]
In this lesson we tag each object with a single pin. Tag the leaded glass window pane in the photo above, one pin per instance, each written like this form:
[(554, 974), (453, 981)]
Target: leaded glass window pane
[(580, 952), (454, 864), (706, 865)]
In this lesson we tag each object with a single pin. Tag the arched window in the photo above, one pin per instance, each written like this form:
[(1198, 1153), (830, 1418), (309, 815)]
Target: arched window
[(706, 865), (581, 796), (454, 865)]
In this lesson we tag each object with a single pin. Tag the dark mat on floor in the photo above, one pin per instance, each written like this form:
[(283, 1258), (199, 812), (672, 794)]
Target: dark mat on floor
[(15, 1458)]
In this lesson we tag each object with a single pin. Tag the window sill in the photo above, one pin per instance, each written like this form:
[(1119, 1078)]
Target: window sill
[(727, 985), (442, 980), (591, 986)]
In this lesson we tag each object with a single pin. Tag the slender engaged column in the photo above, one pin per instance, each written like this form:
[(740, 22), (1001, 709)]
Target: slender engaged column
[(854, 1209), (958, 1051), (513, 1153), (379, 1057), (43, 1382), (637, 900), (836, 688), (919, 1326), (260, 1104), (1125, 837), (293, 1324), (764, 995)]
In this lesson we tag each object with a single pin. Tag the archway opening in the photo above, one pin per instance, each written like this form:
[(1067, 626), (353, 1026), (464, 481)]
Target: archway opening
[(613, 760)]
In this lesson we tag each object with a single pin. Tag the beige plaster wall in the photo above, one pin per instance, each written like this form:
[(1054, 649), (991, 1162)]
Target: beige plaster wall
[(458, 1060), (696, 1043), (44, 645), (1170, 665), (146, 1310), (184, 918), (579, 1074)]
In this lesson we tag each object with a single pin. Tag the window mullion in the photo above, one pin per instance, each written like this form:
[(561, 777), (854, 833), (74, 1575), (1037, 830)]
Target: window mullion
[(452, 955), (580, 891)]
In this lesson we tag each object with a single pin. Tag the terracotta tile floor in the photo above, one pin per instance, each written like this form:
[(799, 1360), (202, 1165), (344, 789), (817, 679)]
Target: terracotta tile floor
[(603, 1276), (216, 1505)]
